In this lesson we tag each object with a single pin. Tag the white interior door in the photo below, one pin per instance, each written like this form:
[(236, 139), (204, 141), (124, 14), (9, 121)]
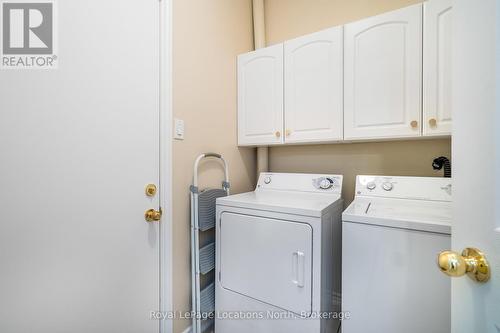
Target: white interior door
[(314, 87), (476, 160), (78, 144), (255, 264)]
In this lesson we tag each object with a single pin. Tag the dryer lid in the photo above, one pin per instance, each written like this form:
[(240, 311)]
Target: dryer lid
[(288, 202), (290, 193)]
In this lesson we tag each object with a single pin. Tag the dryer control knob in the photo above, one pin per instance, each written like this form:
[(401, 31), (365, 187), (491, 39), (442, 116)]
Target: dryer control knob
[(326, 183), (387, 186), (267, 180), (371, 186)]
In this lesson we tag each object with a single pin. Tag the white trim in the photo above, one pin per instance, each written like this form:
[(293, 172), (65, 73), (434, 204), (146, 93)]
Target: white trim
[(166, 256)]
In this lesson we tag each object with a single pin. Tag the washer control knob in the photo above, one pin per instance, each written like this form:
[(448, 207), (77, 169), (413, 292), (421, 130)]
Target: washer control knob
[(267, 180), (387, 186), (371, 186)]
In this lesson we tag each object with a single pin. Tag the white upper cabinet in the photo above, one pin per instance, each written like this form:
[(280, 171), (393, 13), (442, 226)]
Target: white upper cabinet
[(437, 67), (314, 87), (383, 76), (260, 97)]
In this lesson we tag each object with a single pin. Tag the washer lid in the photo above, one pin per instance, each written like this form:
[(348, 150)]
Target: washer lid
[(422, 215), (289, 202)]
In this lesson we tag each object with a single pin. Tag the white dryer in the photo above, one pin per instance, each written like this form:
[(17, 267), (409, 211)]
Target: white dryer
[(278, 256), (392, 233)]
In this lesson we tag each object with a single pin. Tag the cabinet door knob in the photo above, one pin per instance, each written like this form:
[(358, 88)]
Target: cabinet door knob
[(278, 134), (414, 124), (288, 132), (433, 122)]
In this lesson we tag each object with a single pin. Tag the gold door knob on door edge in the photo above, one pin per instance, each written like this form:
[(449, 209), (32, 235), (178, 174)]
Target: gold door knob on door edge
[(288, 132), (472, 262), (433, 122), (152, 215), (278, 134), (414, 124)]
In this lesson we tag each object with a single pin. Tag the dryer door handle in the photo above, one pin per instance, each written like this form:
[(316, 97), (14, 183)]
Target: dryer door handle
[(298, 267)]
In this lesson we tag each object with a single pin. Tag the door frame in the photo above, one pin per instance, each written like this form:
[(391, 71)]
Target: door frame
[(165, 183)]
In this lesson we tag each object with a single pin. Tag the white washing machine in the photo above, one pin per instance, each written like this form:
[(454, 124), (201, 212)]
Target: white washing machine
[(278, 256), (392, 233)]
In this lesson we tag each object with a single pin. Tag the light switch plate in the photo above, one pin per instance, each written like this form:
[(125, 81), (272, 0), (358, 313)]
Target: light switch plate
[(178, 129)]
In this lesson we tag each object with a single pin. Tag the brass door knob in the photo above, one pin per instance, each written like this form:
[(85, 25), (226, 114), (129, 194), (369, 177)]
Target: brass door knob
[(278, 134), (414, 124), (432, 122), (152, 215), (472, 262), (288, 132)]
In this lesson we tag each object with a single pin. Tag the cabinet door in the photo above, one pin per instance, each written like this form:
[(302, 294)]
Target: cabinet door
[(260, 97), (437, 67), (383, 75), (313, 87)]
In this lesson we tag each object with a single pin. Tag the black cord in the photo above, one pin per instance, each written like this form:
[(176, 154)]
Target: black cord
[(440, 163), (340, 324)]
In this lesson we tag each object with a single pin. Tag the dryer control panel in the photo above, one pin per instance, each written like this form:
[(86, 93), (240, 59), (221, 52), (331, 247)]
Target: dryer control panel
[(303, 182)]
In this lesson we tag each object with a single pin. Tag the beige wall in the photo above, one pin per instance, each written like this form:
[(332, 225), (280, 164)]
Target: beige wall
[(287, 19), (208, 34), (397, 158)]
